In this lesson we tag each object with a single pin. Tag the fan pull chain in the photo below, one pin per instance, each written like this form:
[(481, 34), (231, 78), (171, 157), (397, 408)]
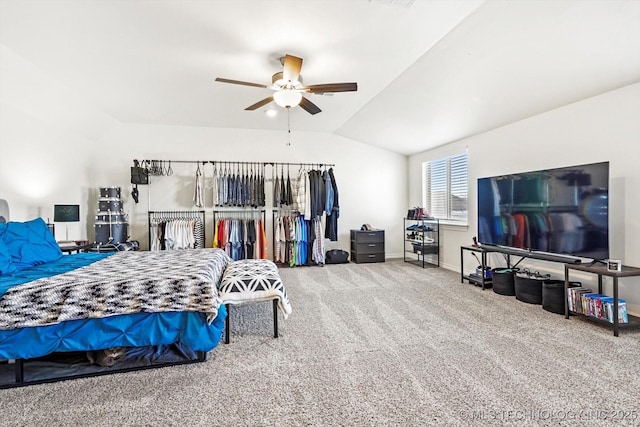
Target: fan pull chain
[(289, 126)]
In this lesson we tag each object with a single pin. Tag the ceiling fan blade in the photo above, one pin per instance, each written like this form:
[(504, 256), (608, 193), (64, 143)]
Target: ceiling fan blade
[(260, 103), (331, 87), (309, 106), (238, 82), (291, 68)]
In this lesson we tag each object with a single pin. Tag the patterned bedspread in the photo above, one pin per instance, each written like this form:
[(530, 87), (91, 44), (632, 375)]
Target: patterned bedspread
[(125, 283)]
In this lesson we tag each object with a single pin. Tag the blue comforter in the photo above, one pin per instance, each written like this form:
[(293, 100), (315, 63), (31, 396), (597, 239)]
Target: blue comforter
[(59, 266)]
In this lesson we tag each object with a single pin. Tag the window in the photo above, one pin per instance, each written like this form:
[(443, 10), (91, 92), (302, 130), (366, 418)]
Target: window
[(445, 188)]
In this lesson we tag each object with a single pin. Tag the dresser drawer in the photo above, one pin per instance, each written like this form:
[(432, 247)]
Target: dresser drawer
[(374, 236), (362, 258), (367, 248)]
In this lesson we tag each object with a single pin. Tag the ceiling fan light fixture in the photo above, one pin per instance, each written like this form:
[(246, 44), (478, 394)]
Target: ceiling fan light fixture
[(287, 98), (288, 86), (279, 83)]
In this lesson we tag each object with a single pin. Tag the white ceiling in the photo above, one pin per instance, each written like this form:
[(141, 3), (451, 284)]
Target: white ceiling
[(428, 72)]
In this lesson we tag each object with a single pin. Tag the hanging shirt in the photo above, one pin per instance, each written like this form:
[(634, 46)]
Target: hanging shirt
[(214, 187), (276, 193), (263, 238), (283, 190), (197, 193), (300, 192), (331, 231), (307, 196), (289, 192), (318, 243), (215, 234), (328, 205)]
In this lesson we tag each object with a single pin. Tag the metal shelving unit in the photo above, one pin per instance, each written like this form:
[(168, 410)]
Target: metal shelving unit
[(422, 242)]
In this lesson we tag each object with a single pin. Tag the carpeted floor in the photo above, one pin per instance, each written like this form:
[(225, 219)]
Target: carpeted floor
[(371, 344)]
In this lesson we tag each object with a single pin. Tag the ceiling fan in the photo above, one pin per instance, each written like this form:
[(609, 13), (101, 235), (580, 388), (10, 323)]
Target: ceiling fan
[(288, 87)]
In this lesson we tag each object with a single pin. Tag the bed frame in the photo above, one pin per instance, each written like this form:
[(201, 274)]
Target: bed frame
[(29, 371)]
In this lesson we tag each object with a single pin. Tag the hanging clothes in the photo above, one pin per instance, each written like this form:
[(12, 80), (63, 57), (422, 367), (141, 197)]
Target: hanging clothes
[(299, 192), (250, 238), (291, 247), (313, 199), (253, 201), (262, 240), (283, 190), (239, 187), (318, 193), (197, 193), (288, 191), (240, 238), (235, 189), (222, 188), (328, 202), (292, 239), (318, 245), (276, 192), (214, 186), (284, 233), (331, 231), (173, 234), (307, 196)]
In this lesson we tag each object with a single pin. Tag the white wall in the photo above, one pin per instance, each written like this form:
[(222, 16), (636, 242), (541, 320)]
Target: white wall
[(602, 128), (56, 148)]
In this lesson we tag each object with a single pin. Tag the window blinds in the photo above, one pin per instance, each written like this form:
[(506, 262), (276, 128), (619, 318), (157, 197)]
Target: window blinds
[(445, 187)]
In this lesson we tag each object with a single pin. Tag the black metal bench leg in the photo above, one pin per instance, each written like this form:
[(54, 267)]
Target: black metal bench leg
[(227, 338), (275, 318)]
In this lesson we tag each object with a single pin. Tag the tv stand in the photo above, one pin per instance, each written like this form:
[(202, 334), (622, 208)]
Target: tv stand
[(596, 261), (600, 271), (508, 251)]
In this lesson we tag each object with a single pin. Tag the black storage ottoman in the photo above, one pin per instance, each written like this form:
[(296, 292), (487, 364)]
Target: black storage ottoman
[(503, 281), (528, 289), (553, 295)]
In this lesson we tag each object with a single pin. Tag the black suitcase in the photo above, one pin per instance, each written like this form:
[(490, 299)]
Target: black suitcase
[(336, 256)]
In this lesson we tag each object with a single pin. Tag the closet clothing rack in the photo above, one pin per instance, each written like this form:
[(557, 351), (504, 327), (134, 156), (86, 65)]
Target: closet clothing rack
[(236, 162), (302, 249), (164, 168), (159, 216), (247, 239), (238, 214), (311, 165)]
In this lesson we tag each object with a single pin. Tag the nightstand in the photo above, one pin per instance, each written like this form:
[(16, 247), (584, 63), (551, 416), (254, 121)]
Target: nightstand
[(71, 247), (367, 246)]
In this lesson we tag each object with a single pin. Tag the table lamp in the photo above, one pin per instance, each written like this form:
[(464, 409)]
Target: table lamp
[(66, 213), (4, 211)]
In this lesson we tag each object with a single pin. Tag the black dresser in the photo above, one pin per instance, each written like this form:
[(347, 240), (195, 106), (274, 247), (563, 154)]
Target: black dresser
[(367, 246)]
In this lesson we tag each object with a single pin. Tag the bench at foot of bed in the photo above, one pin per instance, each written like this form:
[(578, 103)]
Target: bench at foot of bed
[(251, 281)]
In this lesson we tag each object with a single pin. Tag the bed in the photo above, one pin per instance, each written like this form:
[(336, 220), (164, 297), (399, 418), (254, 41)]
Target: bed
[(162, 307)]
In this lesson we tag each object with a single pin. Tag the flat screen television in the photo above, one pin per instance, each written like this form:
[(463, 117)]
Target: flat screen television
[(560, 211)]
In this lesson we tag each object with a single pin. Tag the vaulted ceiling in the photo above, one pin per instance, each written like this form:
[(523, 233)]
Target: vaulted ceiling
[(428, 71)]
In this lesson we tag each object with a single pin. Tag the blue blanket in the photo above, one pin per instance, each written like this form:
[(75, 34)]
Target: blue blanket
[(61, 265)]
